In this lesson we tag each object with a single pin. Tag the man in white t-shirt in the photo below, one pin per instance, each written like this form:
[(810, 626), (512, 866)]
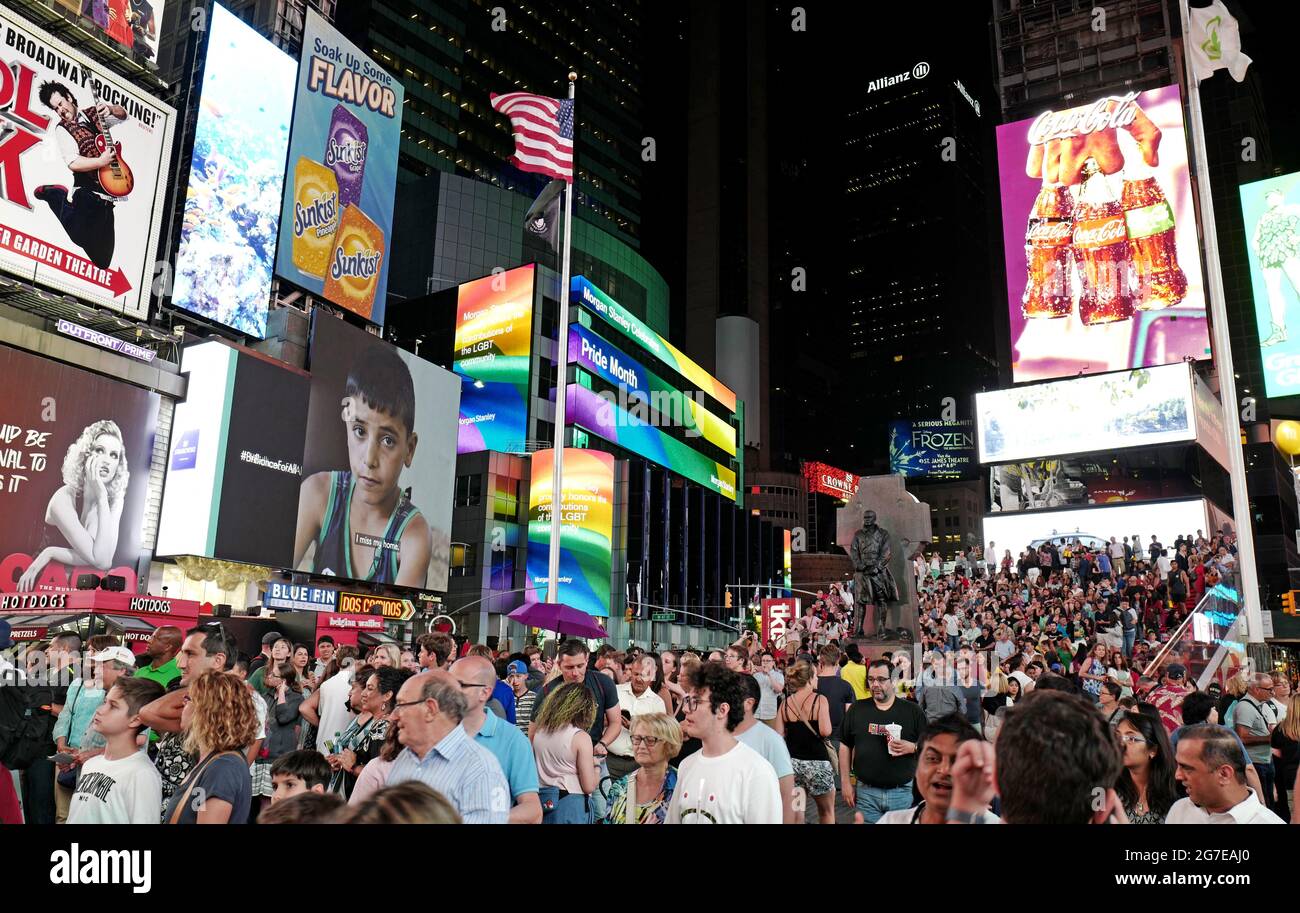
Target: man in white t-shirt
[(120, 786), (635, 697), (726, 781)]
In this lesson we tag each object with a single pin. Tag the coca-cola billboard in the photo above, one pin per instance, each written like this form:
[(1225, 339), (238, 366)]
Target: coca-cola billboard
[(1103, 264)]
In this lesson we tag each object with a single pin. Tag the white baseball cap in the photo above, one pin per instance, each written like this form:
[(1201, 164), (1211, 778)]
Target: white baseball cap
[(122, 655)]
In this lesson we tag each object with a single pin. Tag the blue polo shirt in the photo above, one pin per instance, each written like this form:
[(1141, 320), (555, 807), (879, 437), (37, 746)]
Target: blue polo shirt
[(513, 752)]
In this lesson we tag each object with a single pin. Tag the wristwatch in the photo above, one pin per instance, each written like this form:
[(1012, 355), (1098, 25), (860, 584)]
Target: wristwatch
[(955, 817)]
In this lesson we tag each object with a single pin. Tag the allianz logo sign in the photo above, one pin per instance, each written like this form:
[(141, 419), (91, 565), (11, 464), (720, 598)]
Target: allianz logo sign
[(920, 71)]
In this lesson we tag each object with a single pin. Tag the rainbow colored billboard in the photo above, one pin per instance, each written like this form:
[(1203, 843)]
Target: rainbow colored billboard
[(593, 299), (494, 336), (604, 417), (586, 528)]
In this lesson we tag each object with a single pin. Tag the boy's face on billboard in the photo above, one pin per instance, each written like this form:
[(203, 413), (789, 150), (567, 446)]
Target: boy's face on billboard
[(378, 448)]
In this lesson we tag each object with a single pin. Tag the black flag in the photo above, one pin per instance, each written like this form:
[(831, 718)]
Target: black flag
[(543, 219)]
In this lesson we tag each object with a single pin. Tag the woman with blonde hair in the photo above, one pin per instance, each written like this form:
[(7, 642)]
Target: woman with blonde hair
[(642, 796), (219, 722), (87, 509), (805, 722), (386, 655), (567, 771)]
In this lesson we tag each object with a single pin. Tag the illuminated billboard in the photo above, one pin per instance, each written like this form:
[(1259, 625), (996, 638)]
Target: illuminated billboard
[(378, 473), (1086, 414), (75, 454), (493, 347), (607, 419), (75, 215), (1166, 520), (1043, 484), (586, 531), (597, 302), (640, 389), (932, 449), (232, 203), (1102, 255), (1270, 211), (336, 222), (235, 463), (828, 480), (133, 24)]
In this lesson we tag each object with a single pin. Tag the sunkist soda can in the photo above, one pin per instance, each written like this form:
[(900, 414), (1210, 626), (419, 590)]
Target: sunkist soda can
[(355, 263), (1160, 281), (345, 154), (1101, 251), (315, 216)]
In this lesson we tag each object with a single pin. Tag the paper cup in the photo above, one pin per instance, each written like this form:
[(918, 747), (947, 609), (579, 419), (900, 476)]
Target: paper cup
[(895, 731)]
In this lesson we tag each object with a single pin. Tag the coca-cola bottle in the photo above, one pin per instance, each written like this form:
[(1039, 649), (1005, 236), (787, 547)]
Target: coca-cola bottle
[(1159, 281), (1101, 251), (1047, 254)]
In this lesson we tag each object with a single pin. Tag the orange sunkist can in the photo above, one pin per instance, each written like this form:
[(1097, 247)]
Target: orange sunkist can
[(355, 263), (315, 216)]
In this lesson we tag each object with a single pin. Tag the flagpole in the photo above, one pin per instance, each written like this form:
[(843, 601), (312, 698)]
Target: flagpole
[(1223, 352), (561, 377)]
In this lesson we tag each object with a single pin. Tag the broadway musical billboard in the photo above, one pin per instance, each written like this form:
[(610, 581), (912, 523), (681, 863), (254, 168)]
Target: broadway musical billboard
[(83, 169)]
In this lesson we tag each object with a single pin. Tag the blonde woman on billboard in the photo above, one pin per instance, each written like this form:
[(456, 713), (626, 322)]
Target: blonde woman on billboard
[(95, 473), (1277, 244)]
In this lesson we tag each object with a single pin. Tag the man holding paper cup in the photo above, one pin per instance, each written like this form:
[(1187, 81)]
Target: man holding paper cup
[(878, 739)]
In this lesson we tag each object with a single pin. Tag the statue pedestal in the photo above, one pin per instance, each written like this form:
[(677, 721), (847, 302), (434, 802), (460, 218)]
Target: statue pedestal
[(907, 521)]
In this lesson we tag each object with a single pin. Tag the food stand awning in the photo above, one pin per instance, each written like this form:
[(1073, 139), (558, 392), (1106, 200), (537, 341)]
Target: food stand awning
[(131, 615)]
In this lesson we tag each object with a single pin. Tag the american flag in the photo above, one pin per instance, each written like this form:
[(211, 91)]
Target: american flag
[(543, 129)]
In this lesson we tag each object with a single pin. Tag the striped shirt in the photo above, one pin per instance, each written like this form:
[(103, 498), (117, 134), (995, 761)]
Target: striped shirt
[(524, 709), (464, 772)]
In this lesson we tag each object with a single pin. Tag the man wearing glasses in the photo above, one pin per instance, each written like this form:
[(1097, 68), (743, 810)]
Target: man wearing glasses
[(726, 781), (477, 677), (878, 740)]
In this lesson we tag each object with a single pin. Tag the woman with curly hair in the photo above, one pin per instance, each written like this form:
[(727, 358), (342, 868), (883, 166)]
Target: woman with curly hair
[(87, 508), (219, 722), (566, 766)]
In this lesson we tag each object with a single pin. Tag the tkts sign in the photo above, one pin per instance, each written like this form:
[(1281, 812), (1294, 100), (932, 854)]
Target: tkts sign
[(777, 617), (828, 480), (83, 167)]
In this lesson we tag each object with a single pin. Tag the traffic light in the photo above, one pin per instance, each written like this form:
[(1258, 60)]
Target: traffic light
[(1288, 602), (627, 615), (726, 599)]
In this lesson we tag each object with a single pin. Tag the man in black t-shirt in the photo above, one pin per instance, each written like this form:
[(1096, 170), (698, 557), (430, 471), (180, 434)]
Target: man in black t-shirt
[(884, 758), (838, 693), (574, 667)]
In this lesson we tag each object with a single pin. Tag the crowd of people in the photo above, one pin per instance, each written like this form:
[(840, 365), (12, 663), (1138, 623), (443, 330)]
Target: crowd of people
[(1026, 706)]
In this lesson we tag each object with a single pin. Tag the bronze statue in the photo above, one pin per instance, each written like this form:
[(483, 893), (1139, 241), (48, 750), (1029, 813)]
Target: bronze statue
[(873, 583)]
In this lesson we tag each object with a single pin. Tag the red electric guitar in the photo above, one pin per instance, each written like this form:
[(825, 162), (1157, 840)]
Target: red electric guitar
[(115, 177)]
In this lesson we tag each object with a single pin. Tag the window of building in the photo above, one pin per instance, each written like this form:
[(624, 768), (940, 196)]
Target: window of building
[(503, 569), (463, 559), (469, 491), (505, 503)]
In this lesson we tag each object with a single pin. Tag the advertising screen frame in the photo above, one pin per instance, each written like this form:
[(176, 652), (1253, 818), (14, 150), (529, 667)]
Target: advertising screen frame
[(34, 244), (1280, 360), (322, 92), (1067, 404), (1119, 133), (218, 255), (1165, 519), (931, 455), (586, 533)]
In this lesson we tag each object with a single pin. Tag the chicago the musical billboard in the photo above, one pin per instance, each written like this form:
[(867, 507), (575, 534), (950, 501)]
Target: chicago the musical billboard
[(83, 169), (1102, 254), (75, 453), (232, 202), (336, 222), (586, 528)]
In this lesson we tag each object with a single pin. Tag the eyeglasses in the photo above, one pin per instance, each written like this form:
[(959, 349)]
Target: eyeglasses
[(1132, 740), (472, 684), (691, 701), (648, 741), (400, 704), (875, 680)]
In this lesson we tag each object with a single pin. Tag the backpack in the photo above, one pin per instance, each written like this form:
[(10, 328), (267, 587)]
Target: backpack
[(26, 723)]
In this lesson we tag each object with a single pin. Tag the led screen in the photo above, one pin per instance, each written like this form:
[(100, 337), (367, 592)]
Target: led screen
[(232, 202), (494, 338), (586, 532), (1102, 256)]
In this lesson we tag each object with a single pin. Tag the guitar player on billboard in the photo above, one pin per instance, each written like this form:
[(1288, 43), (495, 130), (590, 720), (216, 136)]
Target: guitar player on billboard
[(99, 177)]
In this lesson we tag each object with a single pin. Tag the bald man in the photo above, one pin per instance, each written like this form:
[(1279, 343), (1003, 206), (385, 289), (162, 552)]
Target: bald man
[(161, 653), (476, 677)]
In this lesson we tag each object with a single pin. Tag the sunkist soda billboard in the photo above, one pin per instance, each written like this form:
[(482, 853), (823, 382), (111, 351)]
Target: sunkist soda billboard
[(1102, 259), (90, 231), (337, 217)]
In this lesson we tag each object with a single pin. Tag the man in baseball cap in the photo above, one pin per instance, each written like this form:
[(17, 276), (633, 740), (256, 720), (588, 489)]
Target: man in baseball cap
[(517, 679), (5, 630), (1168, 698)]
